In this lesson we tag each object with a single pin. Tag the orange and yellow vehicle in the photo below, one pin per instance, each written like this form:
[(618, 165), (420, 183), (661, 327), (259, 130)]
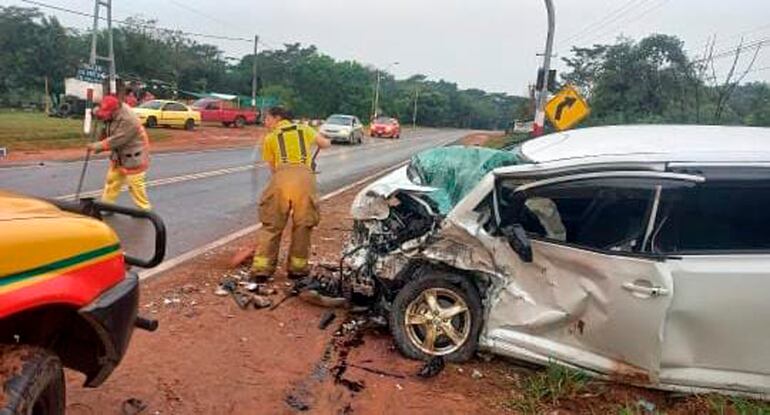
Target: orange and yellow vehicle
[(68, 297)]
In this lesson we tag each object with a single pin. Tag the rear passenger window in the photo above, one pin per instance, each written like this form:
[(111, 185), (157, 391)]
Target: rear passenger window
[(607, 215), (173, 106), (714, 217)]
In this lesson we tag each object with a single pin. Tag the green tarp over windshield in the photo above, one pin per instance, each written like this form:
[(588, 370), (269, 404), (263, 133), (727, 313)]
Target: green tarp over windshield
[(456, 170)]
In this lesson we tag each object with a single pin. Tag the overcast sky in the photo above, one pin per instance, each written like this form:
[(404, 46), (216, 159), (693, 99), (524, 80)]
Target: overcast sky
[(488, 44)]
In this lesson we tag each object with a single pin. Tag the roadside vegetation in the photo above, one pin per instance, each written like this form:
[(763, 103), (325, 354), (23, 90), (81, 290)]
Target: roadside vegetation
[(37, 47), (652, 80), (27, 131), (558, 390)]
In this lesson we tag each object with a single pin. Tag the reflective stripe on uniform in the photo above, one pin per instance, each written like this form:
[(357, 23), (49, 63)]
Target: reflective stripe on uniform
[(282, 148), (302, 149), (261, 263), (297, 264), (284, 154)]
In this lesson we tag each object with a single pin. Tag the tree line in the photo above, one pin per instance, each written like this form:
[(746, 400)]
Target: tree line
[(35, 47), (652, 80)]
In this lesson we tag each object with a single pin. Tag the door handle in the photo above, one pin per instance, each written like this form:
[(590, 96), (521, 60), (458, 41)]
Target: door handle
[(644, 289)]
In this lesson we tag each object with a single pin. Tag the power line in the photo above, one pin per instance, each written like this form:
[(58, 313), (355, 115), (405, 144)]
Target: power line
[(735, 49), (197, 12), (582, 32), (205, 15), (630, 20), (141, 25)]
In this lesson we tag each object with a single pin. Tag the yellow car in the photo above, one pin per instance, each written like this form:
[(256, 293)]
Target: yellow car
[(168, 113)]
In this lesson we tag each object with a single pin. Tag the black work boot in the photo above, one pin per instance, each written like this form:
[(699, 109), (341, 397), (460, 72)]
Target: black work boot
[(258, 277), (295, 275)]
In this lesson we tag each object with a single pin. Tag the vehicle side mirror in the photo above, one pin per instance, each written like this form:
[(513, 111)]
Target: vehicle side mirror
[(519, 241)]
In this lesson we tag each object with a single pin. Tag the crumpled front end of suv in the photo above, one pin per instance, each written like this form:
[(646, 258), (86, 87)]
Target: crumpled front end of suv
[(402, 221)]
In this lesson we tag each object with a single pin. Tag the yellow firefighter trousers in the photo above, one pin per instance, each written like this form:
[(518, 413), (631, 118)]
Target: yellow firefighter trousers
[(114, 182), (291, 191)]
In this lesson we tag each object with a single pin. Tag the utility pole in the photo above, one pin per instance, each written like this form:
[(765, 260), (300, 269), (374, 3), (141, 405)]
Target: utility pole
[(542, 93), (376, 104), (414, 113), (254, 74), (376, 96), (94, 58)]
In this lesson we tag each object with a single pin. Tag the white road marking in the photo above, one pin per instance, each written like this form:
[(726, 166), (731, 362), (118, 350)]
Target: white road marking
[(171, 263), (215, 173)]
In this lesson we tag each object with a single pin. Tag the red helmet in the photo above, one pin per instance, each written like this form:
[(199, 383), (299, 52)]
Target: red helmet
[(108, 106)]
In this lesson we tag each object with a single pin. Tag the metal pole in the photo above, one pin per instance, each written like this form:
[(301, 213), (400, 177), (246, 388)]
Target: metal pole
[(414, 113), (254, 75), (376, 96), (92, 58), (543, 92), (113, 86)]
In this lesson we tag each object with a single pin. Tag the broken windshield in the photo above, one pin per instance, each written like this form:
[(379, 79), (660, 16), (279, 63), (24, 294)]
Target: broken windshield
[(456, 170)]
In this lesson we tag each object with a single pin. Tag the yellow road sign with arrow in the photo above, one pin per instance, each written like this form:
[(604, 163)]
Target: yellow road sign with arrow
[(567, 108)]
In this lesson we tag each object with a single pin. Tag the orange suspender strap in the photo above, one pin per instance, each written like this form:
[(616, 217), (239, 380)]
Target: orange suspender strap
[(282, 144)]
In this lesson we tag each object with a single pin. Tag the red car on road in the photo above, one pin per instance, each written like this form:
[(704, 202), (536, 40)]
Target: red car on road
[(385, 127), (218, 110)]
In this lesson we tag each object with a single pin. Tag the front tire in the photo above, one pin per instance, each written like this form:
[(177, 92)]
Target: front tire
[(151, 122), (437, 315), (189, 125), (240, 122), (34, 383)]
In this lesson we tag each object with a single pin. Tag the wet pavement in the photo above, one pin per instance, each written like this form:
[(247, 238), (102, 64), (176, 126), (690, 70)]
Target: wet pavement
[(205, 195)]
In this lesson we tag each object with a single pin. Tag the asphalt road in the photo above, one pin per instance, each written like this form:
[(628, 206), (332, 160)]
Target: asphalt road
[(203, 196)]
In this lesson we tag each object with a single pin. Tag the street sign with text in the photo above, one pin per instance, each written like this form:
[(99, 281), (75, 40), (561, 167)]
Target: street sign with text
[(91, 73), (567, 108)]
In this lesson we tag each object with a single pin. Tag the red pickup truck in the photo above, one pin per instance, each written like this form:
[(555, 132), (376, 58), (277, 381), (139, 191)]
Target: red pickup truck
[(217, 110)]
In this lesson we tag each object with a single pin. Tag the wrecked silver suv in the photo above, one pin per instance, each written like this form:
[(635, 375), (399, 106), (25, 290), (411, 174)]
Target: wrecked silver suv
[(639, 253)]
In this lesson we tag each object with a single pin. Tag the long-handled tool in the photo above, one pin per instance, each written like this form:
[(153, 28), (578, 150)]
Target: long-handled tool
[(90, 129), (313, 164), (83, 174)]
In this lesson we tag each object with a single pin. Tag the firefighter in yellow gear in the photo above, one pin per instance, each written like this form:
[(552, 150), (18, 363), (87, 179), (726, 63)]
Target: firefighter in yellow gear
[(127, 141), (288, 149)]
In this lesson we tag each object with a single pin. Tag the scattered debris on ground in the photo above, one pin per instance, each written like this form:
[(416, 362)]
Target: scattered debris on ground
[(326, 319), (133, 406), (225, 360), (432, 367)]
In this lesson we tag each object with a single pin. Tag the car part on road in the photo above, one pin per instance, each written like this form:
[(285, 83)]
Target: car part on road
[(432, 367), (261, 301), (31, 380), (326, 319), (189, 125), (151, 122), (377, 371), (132, 406)]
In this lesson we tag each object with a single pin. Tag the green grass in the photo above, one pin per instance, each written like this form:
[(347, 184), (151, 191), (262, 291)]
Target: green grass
[(547, 387), (505, 141), (25, 131), (721, 405)]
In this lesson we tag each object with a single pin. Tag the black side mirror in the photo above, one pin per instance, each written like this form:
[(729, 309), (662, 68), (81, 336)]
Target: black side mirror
[(519, 241)]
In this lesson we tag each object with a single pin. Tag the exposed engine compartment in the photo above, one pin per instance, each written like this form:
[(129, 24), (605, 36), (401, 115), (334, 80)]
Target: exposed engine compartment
[(379, 250)]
